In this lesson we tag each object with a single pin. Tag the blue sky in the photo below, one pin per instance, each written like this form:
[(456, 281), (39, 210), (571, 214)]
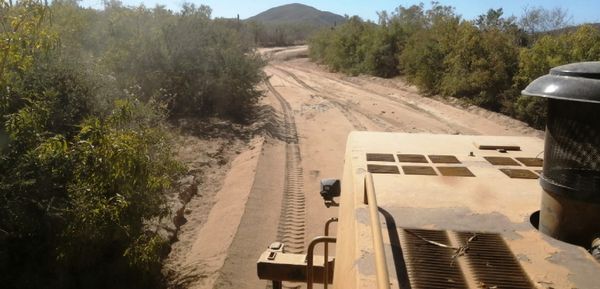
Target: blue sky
[(581, 10)]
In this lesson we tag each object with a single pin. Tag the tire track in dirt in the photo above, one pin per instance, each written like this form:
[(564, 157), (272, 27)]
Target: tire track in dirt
[(346, 109), (342, 108), (404, 103), (346, 112), (291, 228)]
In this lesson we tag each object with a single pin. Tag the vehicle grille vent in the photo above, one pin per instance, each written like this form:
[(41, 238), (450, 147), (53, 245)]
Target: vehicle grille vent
[(430, 266), (492, 262), (472, 260)]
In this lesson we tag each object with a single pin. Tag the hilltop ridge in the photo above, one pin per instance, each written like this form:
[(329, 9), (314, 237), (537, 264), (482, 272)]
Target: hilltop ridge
[(297, 13)]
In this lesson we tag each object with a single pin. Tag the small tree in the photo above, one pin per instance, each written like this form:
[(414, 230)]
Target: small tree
[(550, 51), (423, 57), (535, 20), (481, 62)]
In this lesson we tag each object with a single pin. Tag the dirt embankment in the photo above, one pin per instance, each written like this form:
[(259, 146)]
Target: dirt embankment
[(201, 250), (212, 151), (264, 188)]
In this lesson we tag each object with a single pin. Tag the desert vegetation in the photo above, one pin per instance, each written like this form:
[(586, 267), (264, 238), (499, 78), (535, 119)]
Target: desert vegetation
[(278, 34), (486, 61), (85, 99)]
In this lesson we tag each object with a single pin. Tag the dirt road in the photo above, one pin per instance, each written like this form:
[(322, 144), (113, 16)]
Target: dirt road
[(316, 111)]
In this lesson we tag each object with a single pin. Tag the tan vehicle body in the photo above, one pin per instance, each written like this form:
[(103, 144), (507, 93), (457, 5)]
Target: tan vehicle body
[(441, 211), (415, 199)]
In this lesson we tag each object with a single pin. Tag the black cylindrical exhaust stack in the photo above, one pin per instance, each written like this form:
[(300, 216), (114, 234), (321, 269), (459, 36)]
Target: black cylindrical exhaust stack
[(570, 209)]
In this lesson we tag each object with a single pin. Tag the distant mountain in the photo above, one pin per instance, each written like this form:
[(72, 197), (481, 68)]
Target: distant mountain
[(298, 13), (572, 28)]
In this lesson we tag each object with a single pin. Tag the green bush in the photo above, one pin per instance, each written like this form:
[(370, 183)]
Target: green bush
[(77, 186), (355, 47), (480, 65), (346, 51), (423, 58), (381, 48), (422, 61), (551, 51), (85, 157), (482, 61), (208, 71), (198, 66), (319, 44)]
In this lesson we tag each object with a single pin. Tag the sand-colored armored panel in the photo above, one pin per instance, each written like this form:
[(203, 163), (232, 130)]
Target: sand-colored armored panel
[(455, 212)]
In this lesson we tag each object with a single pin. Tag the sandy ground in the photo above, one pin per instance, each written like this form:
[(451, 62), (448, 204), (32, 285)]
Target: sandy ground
[(271, 190)]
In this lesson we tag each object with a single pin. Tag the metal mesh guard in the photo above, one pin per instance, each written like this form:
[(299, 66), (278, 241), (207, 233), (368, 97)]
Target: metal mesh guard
[(572, 149)]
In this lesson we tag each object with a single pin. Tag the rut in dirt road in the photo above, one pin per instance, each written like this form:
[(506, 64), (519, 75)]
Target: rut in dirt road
[(342, 108), (348, 110), (292, 218), (406, 104)]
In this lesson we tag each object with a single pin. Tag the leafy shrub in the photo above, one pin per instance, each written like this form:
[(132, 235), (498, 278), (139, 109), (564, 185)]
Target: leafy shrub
[(78, 186), (550, 51), (85, 157), (208, 71), (423, 58), (355, 47), (346, 51), (480, 65), (319, 44), (196, 65), (381, 48), (422, 61), (484, 61)]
